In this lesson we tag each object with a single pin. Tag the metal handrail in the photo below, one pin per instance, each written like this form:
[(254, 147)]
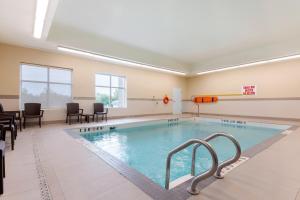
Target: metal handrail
[(192, 189), (223, 164)]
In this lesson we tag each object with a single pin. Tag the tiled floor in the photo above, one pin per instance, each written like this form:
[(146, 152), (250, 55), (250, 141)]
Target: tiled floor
[(50, 157)]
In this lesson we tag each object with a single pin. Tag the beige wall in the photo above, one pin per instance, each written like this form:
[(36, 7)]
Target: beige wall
[(278, 86), (140, 83), (272, 80), (278, 90)]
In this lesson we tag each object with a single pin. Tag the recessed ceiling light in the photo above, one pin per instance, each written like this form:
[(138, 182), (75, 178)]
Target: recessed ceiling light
[(251, 64), (40, 14), (117, 60)]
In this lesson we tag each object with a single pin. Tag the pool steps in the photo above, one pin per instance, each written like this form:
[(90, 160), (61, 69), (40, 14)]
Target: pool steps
[(215, 169), (224, 171), (180, 180), (193, 188), (223, 164)]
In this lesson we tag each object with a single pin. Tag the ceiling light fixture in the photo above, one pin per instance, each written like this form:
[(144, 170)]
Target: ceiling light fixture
[(40, 14), (251, 64), (117, 60)]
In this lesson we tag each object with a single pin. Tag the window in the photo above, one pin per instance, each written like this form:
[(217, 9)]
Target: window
[(50, 86), (111, 90)]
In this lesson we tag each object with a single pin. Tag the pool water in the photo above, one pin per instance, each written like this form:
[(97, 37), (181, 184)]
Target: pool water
[(145, 148)]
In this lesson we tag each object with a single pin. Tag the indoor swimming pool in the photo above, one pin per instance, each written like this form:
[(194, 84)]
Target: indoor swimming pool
[(145, 146)]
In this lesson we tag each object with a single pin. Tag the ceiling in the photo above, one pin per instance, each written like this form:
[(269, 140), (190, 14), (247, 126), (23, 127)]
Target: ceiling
[(191, 36), (17, 20)]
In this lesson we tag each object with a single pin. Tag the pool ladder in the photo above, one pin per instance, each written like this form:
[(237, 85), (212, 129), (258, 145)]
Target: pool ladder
[(215, 168)]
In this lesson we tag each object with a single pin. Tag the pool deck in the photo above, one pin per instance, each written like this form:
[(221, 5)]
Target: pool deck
[(49, 164)]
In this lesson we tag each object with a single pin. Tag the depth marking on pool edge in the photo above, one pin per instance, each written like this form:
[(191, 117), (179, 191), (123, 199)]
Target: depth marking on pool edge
[(286, 132), (229, 168)]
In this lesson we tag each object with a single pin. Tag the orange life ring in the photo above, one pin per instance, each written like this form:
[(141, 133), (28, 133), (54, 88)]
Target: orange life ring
[(166, 100)]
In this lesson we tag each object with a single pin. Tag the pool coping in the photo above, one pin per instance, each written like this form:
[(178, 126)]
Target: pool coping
[(153, 189)]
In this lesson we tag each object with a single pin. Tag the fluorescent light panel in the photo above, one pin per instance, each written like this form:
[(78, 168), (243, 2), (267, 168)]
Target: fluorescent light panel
[(251, 64), (40, 14), (117, 60)]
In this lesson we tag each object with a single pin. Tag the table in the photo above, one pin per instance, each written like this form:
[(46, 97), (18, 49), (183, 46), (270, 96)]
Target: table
[(88, 116)]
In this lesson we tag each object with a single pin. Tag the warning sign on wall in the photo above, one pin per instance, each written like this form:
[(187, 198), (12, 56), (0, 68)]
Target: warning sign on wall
[(249, 90)]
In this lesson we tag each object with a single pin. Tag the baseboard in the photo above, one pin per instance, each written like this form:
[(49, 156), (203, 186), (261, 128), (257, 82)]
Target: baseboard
[(247, 116), (191, 113), (144, 115), (109, 117)]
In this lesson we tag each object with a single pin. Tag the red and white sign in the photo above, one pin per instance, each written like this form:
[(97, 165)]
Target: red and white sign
[(249, 90)]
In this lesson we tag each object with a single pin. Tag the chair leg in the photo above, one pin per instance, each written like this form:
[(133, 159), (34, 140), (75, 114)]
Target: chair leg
[(24, 123), (3, 165), (70, 119), (12, 136), (16, 130), (40, 122), (1, 173), (78, 118), (105, 117), (20, 124), (4, 135), (66, 119)]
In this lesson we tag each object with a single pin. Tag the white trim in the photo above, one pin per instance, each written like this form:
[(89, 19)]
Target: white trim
[(40, 15), (252, 64), (118, 60)]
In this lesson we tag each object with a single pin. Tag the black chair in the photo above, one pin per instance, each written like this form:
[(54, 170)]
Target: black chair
[(17, 115), (73, 110), (8, 124), (1, 132), (100, 110), (31, 111), (2, 163)]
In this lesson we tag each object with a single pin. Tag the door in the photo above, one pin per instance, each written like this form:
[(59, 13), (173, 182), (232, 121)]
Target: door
[(177, 102)]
